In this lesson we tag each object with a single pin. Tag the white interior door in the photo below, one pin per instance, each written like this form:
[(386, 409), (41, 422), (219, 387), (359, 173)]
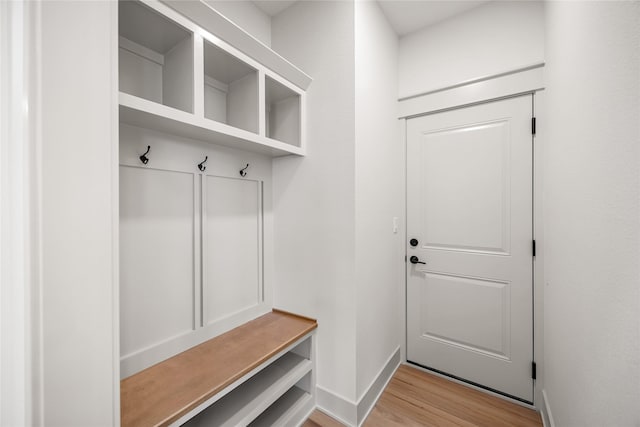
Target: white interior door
[(469, 209)]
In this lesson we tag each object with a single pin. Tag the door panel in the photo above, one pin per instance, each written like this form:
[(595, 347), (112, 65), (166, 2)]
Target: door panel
[(474, 162), (483, 304), (469, 205)]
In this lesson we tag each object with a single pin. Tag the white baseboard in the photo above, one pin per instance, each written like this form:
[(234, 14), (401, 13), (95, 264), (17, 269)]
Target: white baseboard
[(339, 407), (351, 413), (377, 386), (545, 411)]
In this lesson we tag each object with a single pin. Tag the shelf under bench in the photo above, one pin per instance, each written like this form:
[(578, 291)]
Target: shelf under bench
[(168, 391)]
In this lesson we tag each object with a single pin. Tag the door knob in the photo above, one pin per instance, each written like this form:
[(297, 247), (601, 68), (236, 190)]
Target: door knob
[(413, 242), (415, 260)]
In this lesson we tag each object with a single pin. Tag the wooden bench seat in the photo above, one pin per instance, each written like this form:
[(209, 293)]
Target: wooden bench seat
[(163, 393)]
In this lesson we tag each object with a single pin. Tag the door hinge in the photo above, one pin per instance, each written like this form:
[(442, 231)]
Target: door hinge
[(533, 370), (533, 125), (533, 244)]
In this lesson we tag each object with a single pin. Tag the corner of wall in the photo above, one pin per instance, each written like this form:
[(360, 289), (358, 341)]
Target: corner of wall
[(355, 413), (377, 386)]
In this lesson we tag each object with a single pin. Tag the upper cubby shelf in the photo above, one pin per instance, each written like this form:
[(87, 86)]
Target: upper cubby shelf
[(151, 115), (283, 113), (183, 77), (230, 89), (208, 18), (155, 57)]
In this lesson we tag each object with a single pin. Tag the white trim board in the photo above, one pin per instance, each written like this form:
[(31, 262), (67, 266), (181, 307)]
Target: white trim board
[(16, 213), (502, 85), (377, 386), (336, 406), (545, 411), (539, 236), (474, 80), (353, 413), (115, 207), (211, 20)]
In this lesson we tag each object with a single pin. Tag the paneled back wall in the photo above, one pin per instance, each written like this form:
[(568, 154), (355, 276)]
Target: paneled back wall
[(195, 245)]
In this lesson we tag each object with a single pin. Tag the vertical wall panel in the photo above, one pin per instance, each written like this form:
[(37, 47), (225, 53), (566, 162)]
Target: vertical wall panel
[(172, 182), (232, 246), (156, 251), (75, 112)]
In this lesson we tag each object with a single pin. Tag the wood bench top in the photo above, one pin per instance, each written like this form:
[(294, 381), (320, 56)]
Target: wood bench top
[(162, 393)]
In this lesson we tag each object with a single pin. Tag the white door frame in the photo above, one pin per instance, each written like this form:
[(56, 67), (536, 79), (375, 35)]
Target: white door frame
[(478, 91), (19, 263)]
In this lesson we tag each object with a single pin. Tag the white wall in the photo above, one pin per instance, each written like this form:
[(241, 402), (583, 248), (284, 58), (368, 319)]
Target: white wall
[(337, 257), (247, 16), (78, 346), (490, 39), (314, 207), (378, 193), (592, 213)]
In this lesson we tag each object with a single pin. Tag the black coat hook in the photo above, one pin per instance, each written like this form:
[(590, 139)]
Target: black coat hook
[(243, 172), (201, 165), (144, 159)]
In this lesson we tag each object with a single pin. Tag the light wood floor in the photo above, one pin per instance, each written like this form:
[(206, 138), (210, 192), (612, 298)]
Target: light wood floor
[(416, 398)]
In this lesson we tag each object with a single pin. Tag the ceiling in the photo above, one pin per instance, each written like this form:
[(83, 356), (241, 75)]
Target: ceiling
[(405, 16), (273, 7)]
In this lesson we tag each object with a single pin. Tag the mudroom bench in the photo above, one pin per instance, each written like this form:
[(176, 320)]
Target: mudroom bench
[(260, 373)]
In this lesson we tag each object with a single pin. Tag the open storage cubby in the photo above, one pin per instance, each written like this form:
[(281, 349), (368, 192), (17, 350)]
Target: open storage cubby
[(284, 410), (230, 89), (155, 56), (283, 112), (275, 393)]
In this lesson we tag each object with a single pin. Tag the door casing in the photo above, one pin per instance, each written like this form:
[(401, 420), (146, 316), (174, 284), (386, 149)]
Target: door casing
[(528, 80)]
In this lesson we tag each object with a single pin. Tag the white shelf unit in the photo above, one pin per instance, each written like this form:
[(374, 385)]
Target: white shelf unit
[(183, 79), (282, 392), (179, 77), (150, 115)]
